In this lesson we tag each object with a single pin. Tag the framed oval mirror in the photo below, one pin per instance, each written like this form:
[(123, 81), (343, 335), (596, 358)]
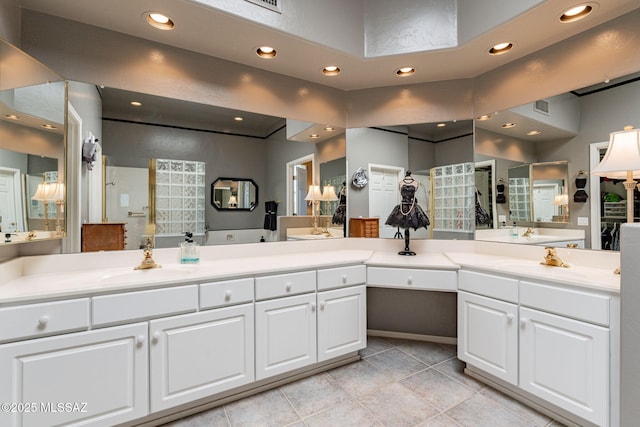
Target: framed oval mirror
[(234, 194)]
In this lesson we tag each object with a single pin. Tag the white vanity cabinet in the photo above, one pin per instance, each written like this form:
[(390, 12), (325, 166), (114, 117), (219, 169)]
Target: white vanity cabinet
[(196, 355), (551, 341), (342, 312), (96, 378)]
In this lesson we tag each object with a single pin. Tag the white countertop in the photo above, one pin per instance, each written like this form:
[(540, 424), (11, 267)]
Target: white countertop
[(40, 278), (587, 277)]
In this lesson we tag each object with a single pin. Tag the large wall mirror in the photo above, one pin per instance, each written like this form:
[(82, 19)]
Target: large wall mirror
[(220, 143), (32, 120)]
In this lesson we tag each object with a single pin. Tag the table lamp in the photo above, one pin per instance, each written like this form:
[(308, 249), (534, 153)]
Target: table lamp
[(42, 194), (314, 196), (328, 195)]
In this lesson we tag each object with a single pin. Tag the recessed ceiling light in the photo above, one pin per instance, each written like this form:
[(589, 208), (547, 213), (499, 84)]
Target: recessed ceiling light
[(576, 12), (136, 103), (533, 132), (314, 136), (328, 128), (441, 125), (12, 117), (508, 125), (501, 48), (238, 118), (483, 117), (48, 126), (266, 52), (159, 21), (331, 70), (405, 71)]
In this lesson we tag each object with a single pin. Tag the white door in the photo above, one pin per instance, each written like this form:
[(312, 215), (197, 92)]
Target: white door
[(566, 362), (106, 369), (384, 195), (127, 200), (11, 209), (488, 335), (200, 354), (285, 334), (342, 322), (543, 207)]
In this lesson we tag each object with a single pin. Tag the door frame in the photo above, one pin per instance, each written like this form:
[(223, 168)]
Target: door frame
[(494, 209), (400, 172), (594, 188), (289, 179)]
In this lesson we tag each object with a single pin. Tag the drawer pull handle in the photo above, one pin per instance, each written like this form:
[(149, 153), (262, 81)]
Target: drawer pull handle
[(321, 305), (227, 295), (409, 280), (509, 317), (344, 278), (313, 306), (288, 287), (140, 339), (156, 336), (42, 321)]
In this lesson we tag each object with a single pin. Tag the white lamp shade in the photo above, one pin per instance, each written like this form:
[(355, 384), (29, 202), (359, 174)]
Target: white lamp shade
[(329, 193), (57, 191), (233, 200), (561, 199), (314, 193), (623, 154), (42, 192)]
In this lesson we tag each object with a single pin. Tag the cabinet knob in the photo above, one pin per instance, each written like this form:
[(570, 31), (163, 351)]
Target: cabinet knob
[(344, 278), (409, 280), (523, 322), (156, 336), (288, 287), (227, 295), (313, 306), (321, 305), (509, 317), (42, 321), (140, 339)]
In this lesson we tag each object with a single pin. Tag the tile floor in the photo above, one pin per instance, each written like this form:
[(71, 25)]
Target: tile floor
[(398, 383)]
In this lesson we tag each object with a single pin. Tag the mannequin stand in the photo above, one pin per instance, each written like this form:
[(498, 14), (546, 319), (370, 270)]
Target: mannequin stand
[(407, 251)]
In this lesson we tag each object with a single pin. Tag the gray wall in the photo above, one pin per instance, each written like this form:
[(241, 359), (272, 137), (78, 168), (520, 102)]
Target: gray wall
[(10, 21)]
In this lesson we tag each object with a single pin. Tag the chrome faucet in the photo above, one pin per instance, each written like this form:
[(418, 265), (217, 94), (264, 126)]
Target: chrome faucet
[(528, 232), (552, 259)]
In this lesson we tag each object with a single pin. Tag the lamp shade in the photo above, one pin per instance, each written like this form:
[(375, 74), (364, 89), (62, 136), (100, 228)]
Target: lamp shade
[(623, 154), (314, 193), (43, 192), (329, 193), (561, 200), (56, 192)]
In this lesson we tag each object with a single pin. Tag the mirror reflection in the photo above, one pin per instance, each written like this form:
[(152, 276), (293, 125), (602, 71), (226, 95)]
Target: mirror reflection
[(234, 194), (31, 148)]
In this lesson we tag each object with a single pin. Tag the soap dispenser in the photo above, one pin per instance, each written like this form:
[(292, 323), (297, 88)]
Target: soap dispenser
[(189, 251), (514, 230)]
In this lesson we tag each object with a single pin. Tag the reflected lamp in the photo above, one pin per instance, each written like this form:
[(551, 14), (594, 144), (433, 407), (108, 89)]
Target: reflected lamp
[(622, 161), (314, 196)]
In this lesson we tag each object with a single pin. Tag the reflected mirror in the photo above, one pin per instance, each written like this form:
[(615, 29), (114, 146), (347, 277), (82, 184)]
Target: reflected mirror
[(32, 122), (234, 194)]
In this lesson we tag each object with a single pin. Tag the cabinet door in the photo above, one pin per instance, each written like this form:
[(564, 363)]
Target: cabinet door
[(96, 378), (200, 354), (566, 362), (488, 335), (285, 334), (342, 322)]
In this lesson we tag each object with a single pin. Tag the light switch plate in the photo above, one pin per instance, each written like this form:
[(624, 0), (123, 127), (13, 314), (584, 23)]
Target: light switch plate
[(583, 220)]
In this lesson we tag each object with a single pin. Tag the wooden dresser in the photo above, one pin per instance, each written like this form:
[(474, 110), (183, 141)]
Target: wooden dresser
[(364, 227), (106, 236)]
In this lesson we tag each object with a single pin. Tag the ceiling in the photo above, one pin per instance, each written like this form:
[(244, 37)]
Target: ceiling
[(232, 29)]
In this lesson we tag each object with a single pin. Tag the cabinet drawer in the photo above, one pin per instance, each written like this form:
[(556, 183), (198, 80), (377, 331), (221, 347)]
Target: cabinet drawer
[(342, 276), (110, 309), (228, 292), (36, 320), (407, 278), (489, 285), (577, 304), (285, 284)]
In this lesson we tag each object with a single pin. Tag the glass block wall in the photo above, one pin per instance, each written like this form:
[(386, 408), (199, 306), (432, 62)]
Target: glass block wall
[(519, 199), (180, 197), (454, 197)]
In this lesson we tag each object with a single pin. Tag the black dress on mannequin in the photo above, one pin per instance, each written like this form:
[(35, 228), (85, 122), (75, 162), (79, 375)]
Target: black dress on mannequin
[(340, 215), (408, 214)]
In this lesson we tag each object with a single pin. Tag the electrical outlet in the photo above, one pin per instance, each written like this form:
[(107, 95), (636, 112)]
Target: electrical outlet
[(230, 238), (583, 220), (502, 218)]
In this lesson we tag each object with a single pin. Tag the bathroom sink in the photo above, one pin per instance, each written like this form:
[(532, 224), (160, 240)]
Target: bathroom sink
[(131, 275)]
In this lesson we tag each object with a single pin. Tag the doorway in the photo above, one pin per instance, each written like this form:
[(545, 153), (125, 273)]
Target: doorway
[(384, 195), (299, 178), (12, 217)]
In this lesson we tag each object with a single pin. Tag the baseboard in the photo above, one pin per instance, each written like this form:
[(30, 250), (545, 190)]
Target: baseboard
[(416, 337)]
